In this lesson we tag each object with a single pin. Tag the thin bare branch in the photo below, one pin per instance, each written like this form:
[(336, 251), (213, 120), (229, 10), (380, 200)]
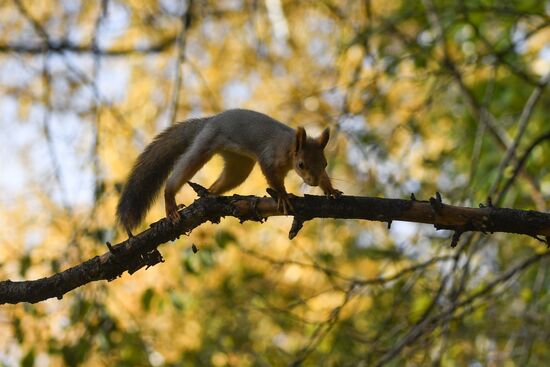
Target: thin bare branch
[(522, 127)]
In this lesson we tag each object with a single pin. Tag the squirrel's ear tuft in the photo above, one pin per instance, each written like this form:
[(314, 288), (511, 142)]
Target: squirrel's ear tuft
[(300, 138), (323, 138)]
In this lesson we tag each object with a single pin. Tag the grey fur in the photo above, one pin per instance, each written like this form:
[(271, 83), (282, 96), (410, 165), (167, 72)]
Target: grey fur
[(239, 131)]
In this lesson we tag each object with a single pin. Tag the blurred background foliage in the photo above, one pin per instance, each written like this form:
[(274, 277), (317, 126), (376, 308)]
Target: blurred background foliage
[(421, 96)]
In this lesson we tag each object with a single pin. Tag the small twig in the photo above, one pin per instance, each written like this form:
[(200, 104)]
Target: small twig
[(201, 191), (297, 224), (186, 18), (523, 122), (520, 164), (490, 202), (110, 247), (436, 203), (456, 238)]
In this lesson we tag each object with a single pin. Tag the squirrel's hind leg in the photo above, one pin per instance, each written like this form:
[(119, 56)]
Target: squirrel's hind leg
[(184, 169), (236, 169)]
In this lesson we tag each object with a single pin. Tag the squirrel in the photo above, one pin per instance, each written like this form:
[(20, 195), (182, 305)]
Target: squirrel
[(242, 137)]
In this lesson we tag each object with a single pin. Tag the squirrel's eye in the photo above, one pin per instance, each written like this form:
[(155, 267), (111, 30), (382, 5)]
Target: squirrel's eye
[(301, 165)]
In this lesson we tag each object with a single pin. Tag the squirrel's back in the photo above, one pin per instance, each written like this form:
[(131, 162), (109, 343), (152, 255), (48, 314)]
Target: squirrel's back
[(251, 131), (152, 168)]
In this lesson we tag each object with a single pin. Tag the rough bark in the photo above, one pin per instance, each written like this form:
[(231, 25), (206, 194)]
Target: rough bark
[(141, 250)]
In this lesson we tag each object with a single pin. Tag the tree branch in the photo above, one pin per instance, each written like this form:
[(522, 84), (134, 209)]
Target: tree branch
[(67, 46), (141, 251)]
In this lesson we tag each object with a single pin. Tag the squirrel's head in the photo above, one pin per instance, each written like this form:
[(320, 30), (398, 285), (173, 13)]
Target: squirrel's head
[(309, 157)]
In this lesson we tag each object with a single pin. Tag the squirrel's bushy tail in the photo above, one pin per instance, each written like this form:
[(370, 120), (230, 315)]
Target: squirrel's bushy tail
[(151, 170)]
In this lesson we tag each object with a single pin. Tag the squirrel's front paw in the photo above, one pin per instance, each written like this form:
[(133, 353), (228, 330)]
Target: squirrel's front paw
[(284, 204), (334, 193)]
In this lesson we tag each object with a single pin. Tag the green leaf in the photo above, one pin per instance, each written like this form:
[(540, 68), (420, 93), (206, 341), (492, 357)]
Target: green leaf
[(99, 189), (325, 257), (24, 264), (28, 359), (99, 234), (419, 305), (223, 238), (75, 354), (380, 253), (177, 301), (146, 298), (206, 258), (55, 265), (18, 330), (79, 310), (190, 265)]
